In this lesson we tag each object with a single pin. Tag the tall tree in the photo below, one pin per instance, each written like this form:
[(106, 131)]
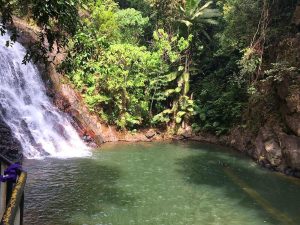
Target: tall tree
[(194, 17)]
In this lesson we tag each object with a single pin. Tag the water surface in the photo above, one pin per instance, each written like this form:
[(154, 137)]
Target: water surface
[(159, 184)]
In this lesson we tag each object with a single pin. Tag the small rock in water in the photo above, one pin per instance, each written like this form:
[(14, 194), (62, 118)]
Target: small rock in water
[(288, 171), (87, 138), (297, 174)]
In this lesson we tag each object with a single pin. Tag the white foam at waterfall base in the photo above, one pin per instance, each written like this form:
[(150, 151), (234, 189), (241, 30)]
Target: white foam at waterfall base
[(40, 127)]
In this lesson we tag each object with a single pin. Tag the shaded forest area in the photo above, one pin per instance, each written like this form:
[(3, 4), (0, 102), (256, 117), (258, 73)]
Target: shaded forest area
[(173, 65)]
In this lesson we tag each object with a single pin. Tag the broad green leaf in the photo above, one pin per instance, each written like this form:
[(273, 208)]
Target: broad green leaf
[(181, 114), (178, 120), (172, 76)]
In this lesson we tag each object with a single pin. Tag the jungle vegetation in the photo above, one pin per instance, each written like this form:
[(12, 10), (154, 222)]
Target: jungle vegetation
[(161, 63)]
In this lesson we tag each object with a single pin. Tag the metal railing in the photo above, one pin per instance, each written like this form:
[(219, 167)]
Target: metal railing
[(11, 196)]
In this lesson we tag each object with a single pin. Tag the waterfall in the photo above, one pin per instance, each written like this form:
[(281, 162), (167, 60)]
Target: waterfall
[(40, 127)]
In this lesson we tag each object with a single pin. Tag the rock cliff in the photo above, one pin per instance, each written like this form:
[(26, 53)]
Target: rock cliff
[(272, 134)]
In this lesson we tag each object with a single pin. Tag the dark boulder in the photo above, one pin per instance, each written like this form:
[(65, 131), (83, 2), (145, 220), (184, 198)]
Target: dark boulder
[(10, 147)]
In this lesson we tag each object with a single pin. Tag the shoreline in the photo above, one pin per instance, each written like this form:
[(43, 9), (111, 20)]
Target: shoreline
[(270, 146)]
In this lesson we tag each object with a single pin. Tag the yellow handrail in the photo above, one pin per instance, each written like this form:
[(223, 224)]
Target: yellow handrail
[(12, 202)]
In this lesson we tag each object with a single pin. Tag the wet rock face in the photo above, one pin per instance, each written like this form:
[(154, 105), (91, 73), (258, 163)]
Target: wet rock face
[(272, 148), (268, 147), (291, 149), (289, 93), (293, 122), (276, 145), (86, 123), (10, 147), (274, 154), (296, 16)]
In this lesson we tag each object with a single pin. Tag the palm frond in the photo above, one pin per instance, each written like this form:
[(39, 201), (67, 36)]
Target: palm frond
[(211, 21), (210, 13), (181, 9), (206, 5), (206, 35), (186, 22)]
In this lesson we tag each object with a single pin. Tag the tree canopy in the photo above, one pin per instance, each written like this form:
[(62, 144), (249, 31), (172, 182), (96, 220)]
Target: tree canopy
[(169, 64)]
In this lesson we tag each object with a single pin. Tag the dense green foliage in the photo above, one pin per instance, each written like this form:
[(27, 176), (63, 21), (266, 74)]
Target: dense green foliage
[(133, 79), (168, 64), (56, 18)]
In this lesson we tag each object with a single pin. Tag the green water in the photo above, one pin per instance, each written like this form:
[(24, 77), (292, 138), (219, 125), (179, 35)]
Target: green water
[(159, 184)]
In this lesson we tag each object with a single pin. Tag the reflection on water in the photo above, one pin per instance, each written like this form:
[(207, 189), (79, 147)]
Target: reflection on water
[(159, 184)]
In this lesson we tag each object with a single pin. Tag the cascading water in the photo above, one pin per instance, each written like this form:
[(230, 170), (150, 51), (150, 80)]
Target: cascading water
[(36, 123)]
